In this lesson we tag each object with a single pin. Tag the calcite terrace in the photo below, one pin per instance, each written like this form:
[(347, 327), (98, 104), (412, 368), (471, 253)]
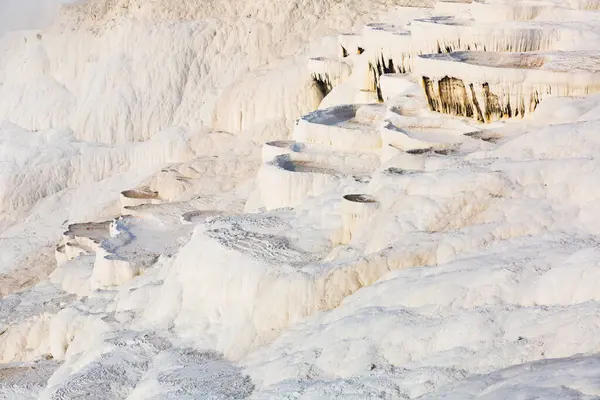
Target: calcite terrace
[(380, 199)]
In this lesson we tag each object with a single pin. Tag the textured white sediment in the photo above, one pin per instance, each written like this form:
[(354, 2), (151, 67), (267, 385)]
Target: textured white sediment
[(300, 200)]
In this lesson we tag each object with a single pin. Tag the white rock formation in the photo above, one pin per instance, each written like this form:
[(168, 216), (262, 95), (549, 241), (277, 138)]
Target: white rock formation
[(447, 34), (273, 199), (136, 197), (489, 86), (329, 72), (346, 127), (357, 210), (288, 179), (270, 150)]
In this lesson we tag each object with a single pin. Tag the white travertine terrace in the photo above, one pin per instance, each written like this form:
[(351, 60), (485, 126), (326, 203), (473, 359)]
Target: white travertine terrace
[(488, 86), (110, 270), (81, 239), (392, 85), (448, 34), (136, 197), (419, 138), (329, 72), (270, 150), (184, 181), (134, 245), (287, 180), (389, 47), (290, 178), (526, 10), (347, 127), (273, 174), (521, 11), (357, 210), (350, 44)]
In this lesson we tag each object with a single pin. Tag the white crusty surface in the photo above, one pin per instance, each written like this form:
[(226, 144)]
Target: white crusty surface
[(316, 199)]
